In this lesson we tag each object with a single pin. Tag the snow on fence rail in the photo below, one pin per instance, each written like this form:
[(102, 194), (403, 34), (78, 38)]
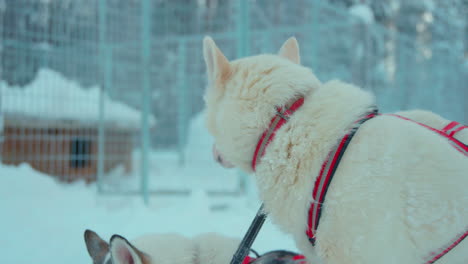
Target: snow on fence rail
[(52, 97), (53, 124)]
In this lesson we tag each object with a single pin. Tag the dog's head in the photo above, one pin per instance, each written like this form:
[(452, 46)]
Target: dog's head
[(243, 94), (120, 251)]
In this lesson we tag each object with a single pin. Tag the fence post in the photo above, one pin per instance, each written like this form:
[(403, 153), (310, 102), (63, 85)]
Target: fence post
[(401, 74), (146, 96), (463, 77), (1, 83), (182, 101), (243, 49), (101, 128), (315, 31), (1, 116), (368, 69), (243, 34), (268, 41)]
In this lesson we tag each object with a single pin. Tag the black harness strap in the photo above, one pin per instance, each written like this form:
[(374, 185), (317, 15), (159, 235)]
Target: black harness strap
[(326, 175)]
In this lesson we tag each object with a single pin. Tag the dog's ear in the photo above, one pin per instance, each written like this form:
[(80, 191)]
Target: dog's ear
[(290, 50), (97, 247), (217, 65), (122, 252)]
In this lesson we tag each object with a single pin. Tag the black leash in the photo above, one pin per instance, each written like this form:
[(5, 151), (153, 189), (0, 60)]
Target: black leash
[(247, 241)]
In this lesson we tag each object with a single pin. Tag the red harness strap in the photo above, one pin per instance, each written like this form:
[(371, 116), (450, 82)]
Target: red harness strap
[(453, 127), (248, 260), (332, 161), (447, 132), (276, 123), (324, 179), (438, 254)]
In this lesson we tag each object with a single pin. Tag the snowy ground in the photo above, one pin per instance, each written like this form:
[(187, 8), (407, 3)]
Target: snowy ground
[(43, 220), (199, 172)]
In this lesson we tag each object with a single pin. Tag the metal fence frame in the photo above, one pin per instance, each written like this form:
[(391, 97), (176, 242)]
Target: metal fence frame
[(249, 39)]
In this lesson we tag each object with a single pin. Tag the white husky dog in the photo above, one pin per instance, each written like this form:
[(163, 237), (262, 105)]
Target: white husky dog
[(400, 192), (208, 248)]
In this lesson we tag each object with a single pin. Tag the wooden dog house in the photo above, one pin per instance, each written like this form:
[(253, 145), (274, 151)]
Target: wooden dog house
[(57, 132), (65, 150)]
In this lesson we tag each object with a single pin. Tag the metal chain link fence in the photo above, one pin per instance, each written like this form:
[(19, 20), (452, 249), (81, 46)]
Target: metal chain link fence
[(112, 90)]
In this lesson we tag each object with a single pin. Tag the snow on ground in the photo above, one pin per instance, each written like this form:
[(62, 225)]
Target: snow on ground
[(43, 221), (51, 96), (199, 172)]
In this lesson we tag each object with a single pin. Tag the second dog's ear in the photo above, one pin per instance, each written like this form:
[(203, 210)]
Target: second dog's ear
[(122, 252), (217, 65), (290, 50), (97, 247)]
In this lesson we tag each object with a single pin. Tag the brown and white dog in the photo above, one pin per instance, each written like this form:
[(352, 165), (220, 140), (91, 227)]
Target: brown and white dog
[(208, 248), (399, 193)]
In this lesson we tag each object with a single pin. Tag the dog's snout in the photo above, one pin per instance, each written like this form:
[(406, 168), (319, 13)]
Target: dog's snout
[(220, 159)]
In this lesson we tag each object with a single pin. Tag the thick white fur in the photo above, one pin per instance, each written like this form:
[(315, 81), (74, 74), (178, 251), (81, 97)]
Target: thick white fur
[(172, 248), (209, 248), (213, 248), (167, 248), (433, 120), (399, 193)]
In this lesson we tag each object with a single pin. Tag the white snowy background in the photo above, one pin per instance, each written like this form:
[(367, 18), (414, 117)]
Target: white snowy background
[(42, 220), (51, 68)]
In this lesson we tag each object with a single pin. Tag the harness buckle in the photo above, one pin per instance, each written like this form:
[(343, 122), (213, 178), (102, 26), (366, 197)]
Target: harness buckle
[(282, 115), (312, 241)]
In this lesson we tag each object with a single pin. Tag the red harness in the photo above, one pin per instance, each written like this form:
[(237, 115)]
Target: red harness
[(331, 164), (447, 132), (276, 123), (324, 179)]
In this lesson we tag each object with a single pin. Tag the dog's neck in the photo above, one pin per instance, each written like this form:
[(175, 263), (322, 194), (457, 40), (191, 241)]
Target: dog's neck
[(288, 170), (281, 117)]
